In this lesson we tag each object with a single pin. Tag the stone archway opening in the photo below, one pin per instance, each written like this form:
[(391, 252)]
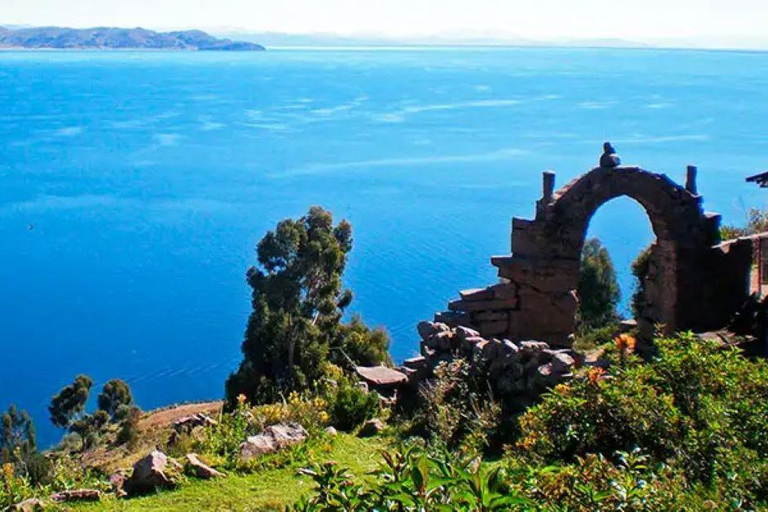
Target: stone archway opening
[(623, 229), (694, 282)]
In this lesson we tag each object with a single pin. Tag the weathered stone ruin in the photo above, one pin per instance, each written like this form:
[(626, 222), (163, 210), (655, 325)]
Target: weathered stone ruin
[(517, 372), (695, 282)]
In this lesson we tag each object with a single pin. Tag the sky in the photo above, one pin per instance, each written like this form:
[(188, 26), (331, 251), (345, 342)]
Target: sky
[(642, 20)]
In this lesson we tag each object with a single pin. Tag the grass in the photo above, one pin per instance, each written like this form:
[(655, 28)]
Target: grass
[(267, 489)]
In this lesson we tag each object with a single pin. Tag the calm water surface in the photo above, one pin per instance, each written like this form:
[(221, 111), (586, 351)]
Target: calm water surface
[(134, 186)]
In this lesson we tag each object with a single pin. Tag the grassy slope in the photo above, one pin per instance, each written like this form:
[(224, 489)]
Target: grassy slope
[(269, 489)]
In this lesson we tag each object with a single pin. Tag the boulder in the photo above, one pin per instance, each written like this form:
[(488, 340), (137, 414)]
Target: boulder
[(470, 342), (510, 348), (371, 428), (533, 347), (77, 495), (256, 446), (150, 473), (429, 329), (562, 363), (494, 350), (275, 437), (462, 333), (381, 376), (331, 432), (201, 470), (545, 377), (287, 434)]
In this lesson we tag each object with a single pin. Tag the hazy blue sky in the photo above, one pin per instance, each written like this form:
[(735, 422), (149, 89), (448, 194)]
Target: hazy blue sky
[(629, 19)]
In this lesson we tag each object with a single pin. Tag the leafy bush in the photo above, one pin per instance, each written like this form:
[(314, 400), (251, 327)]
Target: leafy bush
[(696, 407), (757, 222), (457, 410), (13, 488), (365, 346), (353, 405), (411, 479), (128, 432)]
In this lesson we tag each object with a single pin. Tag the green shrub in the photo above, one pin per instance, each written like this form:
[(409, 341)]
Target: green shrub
[(128, 432), (457, 410), (13, 487), (696, 407), (352, 406), (411, 479)]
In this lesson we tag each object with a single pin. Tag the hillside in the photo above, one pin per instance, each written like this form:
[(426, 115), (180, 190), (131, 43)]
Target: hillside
[(118, 39)]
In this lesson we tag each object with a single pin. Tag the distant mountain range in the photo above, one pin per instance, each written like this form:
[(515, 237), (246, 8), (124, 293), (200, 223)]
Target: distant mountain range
[(118, 39)]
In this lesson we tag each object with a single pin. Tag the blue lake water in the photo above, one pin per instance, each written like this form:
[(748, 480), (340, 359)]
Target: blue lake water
[(134, 186)]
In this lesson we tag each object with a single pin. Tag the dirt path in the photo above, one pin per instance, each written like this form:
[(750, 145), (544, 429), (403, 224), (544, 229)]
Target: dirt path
[(166, 417)]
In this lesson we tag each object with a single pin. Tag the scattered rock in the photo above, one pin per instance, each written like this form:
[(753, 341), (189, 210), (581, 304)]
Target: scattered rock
[(415, 363), (465, 332), (187, 423), (510, 347), (150, 473), (517, 371), (272, 439), (381, 376), (429, 329), (77, 495), (331, 432), (562, 363), (117, 481), (533, 347), (371, 428), (201, 470), (30, 505)]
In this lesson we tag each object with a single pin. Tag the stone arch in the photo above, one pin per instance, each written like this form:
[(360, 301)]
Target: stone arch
[(536, 298)]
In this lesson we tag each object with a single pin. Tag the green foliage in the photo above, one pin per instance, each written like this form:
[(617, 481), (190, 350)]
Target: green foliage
[(365, 346), (70, 402), (757, 222), (89, 427), (115, 394), (696, 408), (17, 438), (598, 289), (13, 487), (352, 406), (129, 425), (298, 303), (640, 268), (456, 410), (413, 480), (589, 339)]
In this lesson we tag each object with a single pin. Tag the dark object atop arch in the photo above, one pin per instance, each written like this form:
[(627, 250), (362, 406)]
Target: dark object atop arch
[(695, 282), (761, 179)]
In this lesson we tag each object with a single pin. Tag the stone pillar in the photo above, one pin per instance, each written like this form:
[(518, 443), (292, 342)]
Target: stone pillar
[(690, 179), (548, 182)]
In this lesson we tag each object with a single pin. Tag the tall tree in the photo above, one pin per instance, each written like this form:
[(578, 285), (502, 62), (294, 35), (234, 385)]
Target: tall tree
[(114, 394), (598, 288), (17, 438), (69, 404), (298, 302)]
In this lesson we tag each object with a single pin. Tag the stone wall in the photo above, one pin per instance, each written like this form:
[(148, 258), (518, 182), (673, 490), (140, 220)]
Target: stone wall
[(517, 372), (696, 282)]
